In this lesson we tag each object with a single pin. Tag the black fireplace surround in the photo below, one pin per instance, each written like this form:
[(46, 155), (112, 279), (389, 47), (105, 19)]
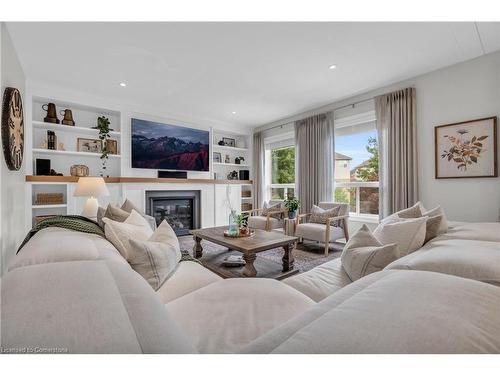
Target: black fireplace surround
[(181, 209)]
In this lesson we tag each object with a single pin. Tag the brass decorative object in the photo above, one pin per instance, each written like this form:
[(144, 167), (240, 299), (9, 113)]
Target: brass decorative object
[(68, 117), (51, 113)]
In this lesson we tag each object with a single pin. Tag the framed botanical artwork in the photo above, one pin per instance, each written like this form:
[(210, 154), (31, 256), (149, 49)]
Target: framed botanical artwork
[(466, 149), (89, 145), (217, 157), (231, 142), (112, 146)]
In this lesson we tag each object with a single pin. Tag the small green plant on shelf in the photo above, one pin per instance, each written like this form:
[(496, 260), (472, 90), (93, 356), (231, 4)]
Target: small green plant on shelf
[(292, 204), (104, 129)]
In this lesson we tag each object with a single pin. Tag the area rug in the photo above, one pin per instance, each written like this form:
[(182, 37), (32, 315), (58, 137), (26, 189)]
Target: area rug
[(307, 254)]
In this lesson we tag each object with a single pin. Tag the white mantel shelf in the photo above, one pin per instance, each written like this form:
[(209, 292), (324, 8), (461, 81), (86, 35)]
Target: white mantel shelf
[(127, 180)]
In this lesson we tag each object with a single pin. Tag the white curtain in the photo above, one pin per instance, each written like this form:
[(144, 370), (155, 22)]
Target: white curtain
[(259, 169), (397, 136), (314, 158)]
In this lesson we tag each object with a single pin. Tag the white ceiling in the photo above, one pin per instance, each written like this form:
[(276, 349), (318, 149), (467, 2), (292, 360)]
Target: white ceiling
[(263, 71)]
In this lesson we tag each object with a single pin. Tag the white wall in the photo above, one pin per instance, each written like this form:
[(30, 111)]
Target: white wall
[(12, 204), (461, 92)]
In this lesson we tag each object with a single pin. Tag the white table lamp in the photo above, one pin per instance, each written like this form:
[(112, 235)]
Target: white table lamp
[(92, 187)]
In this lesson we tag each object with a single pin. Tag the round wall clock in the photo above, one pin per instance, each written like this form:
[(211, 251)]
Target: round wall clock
[(13, 128)]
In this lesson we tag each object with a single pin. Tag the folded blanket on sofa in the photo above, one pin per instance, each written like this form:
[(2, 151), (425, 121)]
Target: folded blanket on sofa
[(72, 222)]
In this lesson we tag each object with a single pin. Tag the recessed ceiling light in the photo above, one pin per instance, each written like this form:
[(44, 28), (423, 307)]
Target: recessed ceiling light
[(234, 112), (123, 84), (333, 66)]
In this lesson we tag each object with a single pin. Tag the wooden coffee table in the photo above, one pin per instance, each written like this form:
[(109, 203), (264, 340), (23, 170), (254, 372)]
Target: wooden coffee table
[(249, 246)]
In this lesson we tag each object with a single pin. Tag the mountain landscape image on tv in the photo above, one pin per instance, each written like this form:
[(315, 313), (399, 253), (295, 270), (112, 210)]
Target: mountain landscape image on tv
[(163, 146)]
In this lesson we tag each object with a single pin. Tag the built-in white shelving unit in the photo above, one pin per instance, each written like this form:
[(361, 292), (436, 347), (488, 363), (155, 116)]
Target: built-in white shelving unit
[(67, 152), (241, 149)]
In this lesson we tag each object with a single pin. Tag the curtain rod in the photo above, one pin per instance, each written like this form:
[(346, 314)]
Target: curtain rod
[(352, 105)]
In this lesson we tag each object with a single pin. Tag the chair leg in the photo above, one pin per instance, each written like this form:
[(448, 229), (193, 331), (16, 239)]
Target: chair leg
[(327, 248)]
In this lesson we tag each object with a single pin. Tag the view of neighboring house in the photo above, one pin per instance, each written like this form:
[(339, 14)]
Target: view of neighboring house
[(342, 167)]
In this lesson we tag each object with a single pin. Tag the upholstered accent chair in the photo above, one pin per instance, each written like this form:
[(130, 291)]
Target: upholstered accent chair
[(333, 229), (271, 221)]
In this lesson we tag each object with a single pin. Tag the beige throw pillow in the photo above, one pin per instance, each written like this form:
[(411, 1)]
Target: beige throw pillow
[(319, 215), (274, 209), (156, 258), (408, 234), (408, 213), (134, 227), (438, 211), (128, 206), (364, 254), (432, 227)]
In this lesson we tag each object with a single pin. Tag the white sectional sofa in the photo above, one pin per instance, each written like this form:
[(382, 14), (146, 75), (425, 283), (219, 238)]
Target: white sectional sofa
[(74, 292)]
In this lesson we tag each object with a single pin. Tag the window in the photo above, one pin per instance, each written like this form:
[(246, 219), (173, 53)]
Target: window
[(356, 163), (282, 173), (280, 167)]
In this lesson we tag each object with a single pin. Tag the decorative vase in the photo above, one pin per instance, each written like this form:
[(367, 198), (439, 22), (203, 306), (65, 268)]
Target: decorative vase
[(243, 231), (291, 214), (233, 228)]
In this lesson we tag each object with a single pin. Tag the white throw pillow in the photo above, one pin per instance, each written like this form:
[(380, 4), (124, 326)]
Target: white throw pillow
[(119, 234), (438, 211), (156, 258), (408, 234), (364, 254)]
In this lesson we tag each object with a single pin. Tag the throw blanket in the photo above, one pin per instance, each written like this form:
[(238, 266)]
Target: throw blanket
[(81, 224), (72, 222)]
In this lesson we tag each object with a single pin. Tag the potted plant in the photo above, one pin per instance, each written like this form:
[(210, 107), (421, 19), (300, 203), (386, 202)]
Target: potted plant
[(242, 221), (292, 204), (104, 129)]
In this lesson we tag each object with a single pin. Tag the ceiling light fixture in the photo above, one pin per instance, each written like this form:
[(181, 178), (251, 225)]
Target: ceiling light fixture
[(234, 112), (333, 66), (123, 84)]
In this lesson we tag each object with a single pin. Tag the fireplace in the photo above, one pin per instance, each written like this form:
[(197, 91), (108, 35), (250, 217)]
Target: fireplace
[(181, 209)]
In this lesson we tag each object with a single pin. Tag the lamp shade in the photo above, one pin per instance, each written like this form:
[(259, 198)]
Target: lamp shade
[(91, 187)]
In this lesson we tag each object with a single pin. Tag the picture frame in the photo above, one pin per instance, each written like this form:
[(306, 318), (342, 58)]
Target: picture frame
[(217, 157), (230, 142), (112, 146), (89, 145), (467, 149)]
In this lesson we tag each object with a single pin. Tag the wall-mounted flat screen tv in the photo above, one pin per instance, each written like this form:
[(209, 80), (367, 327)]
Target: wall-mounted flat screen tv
[(164, 146)]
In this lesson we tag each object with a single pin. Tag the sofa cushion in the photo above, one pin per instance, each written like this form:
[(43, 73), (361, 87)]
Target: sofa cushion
[(226, 315), (187, 277), (394, 312), (478, 260), (90, 306), (316, 232), (259, 222), (364, 254), (408, 234), (55, 244), (321, 281), (473, 231)]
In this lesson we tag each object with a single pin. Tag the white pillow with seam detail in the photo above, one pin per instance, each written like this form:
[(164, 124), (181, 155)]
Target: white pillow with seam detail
[(134, 227), (408, 234), (364, 254), (157, 258)]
